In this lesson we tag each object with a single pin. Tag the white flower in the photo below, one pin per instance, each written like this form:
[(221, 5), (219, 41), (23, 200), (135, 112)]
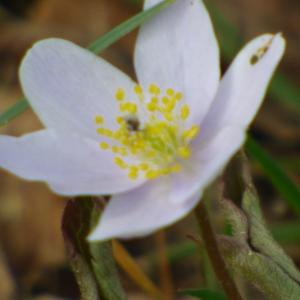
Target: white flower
[(154, 145)]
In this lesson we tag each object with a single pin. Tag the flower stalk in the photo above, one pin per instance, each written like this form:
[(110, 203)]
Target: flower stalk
[(217, 261)]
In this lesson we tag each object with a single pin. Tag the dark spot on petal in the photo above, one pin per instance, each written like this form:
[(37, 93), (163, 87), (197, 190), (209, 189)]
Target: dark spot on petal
[(260, 52), (254, 59)]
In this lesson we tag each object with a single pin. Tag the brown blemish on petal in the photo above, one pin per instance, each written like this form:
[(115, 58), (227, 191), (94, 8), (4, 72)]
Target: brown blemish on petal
[(261, 52)]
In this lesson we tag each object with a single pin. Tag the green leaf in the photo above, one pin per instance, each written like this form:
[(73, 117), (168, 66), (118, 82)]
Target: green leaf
[(96, 47), (204, 294), (281, 181)]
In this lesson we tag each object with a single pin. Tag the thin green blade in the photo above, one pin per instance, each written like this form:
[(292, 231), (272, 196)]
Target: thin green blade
[(13, 111), (121, 30), (276, 174), (281, 88), (96, 47), (204, 294)]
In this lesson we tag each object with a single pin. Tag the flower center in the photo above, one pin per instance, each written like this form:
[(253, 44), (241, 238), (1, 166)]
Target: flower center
[(153, 130)]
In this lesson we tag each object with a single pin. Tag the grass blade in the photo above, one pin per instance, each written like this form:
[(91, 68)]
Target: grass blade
[(96, 47), (13, 111), (281, 88), (276, 174), (119, 31), (204, 294)]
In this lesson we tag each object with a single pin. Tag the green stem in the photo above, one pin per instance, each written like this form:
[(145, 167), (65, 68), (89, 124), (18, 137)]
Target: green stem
[(210, 242)]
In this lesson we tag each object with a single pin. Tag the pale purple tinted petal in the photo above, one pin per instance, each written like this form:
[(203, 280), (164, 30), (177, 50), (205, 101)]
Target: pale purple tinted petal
[(177, 49), (244, 85), (67, 86), (140, 212), (209, 157), (163, 201), (70, 164)]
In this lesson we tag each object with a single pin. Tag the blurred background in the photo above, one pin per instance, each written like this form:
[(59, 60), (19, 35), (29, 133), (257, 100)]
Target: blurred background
[(32, 256)]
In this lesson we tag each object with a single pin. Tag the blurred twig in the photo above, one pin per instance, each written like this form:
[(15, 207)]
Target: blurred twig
[(7, 285), (132, 269), (165, 272)]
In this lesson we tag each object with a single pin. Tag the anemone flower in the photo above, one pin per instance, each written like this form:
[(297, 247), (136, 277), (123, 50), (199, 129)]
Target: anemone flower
[(153, 144)]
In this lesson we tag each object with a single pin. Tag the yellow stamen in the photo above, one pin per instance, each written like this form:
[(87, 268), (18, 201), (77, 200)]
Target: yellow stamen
[(157, 141), (99, 120), (120, 162), (154, 89), (191, 133), (184, 152), (144, 166), (104, 146), (184, 112), (170, 92), (120, 94), (138, 90)]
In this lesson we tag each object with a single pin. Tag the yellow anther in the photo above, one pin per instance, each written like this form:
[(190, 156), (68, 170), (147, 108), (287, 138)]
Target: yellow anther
[(191, 133), (138, 90), (184, 152), (178, 96), (170, 106), (170, 92), (165, 100), (151, 106), (123, 151), (168, 116), (105, 132), (152, 174), (133, 175), (120, 162), (132, 108), (154, 100), (120, 94), (175, 168), (123, 107), (117, 135), (154, 89), (133, 169), (101, 130), (184, 112), (128, 107), (144, 166), (120, 120), (115, 149), (104, 146), (158, 139), (165, 171), (99, 120)]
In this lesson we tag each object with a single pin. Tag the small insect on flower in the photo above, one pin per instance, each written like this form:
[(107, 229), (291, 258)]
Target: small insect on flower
[(154, 144), (132, 123)]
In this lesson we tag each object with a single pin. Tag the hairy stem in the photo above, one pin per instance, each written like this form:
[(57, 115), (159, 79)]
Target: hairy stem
[(210, 242)]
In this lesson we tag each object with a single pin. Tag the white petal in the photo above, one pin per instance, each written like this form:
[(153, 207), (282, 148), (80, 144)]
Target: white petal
[(71, 165), (244, 85), (162, 202), (68, 86), (140, 212), (178, 49), (209, 157)]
